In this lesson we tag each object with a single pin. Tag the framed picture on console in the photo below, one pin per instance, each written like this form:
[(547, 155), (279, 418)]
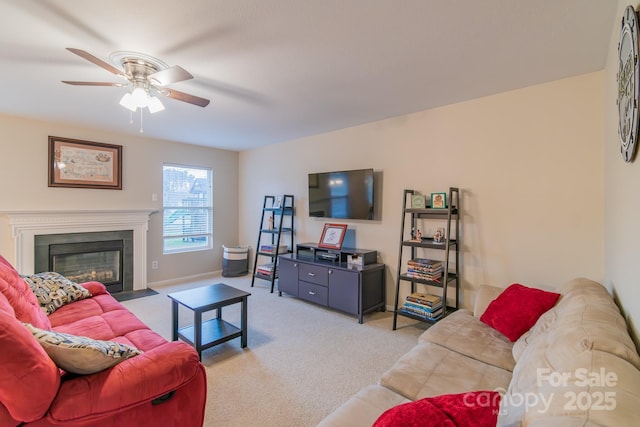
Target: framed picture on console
[(333, 236), (84, 164)]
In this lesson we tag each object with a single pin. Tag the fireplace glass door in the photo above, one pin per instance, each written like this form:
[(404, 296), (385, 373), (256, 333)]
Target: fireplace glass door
[(94, 261)]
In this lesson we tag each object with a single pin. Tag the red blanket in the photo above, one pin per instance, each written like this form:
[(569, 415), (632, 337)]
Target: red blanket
[(472, 409)]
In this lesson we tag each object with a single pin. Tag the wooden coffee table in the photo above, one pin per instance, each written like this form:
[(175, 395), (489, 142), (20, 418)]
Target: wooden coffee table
[(214, 331)]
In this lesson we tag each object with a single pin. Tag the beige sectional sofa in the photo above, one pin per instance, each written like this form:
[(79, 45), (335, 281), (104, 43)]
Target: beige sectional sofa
[(577, 366)]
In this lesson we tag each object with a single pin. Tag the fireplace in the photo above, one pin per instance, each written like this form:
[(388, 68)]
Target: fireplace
[(105, 257), (26, 225)]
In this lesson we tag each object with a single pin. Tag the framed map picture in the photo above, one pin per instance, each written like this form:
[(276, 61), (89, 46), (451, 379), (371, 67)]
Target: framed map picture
[(84, 164)]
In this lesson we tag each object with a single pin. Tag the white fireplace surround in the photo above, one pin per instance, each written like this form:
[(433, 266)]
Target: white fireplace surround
[(25, 225)]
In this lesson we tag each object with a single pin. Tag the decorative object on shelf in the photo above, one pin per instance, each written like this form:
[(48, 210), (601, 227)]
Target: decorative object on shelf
[(628, 79), (418, 235), (277, 204), (438, 236), (438, 200), (84, 164), (355, 259), (418, 201), (332, 236)]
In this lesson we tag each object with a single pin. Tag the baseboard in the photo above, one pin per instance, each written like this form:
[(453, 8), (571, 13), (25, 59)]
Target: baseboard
[(179, 280)]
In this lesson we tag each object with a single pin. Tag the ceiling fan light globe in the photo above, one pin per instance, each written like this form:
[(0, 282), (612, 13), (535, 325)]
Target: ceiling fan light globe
[(140, 97), (128, 102), (155, 105)]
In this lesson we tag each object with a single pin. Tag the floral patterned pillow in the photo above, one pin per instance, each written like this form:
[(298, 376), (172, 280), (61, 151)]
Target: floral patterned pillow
[(81, 355), (54, 290)]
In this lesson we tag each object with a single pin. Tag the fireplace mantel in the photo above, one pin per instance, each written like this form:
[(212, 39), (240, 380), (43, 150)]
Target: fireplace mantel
[(25, 225)]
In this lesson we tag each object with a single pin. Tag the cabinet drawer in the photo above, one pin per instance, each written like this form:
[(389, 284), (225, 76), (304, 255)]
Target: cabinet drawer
[(312, 292), (313, 274)]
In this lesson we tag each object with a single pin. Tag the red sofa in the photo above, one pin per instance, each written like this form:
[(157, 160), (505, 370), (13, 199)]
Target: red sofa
[(165, 385)]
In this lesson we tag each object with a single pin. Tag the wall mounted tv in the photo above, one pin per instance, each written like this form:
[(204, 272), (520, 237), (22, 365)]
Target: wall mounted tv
[(342, 194)]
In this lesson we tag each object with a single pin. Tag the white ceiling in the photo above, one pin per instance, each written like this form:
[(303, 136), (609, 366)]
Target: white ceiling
[(278, 70)]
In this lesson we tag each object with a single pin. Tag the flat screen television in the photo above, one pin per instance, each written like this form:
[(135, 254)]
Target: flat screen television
[(342, 194)]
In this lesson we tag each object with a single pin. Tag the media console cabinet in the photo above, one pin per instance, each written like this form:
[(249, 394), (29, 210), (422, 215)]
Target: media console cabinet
[(349, 280)]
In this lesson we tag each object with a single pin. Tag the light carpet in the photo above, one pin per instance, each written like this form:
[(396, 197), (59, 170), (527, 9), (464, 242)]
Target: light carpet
[(302, 360)]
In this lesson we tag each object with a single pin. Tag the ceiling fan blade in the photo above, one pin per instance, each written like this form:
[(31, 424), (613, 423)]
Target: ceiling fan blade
[(169, 75), (99, 62), (93, 83), (185, 97)]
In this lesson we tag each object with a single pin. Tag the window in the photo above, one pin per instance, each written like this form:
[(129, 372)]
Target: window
[(187, 208)]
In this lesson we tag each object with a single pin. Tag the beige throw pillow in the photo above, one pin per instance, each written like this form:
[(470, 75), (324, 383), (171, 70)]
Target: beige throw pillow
[(81, 355)]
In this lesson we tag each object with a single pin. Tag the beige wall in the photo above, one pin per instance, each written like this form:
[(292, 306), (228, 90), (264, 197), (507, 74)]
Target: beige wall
[(24, 145), (622, 199), (529, 163)]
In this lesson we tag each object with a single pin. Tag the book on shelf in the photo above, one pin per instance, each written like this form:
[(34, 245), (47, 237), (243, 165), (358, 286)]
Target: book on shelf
[(423, 308), (424, 269), (266, 269), (274, 248), (425, 315), (424, 298), (422, 276), (425, 263)]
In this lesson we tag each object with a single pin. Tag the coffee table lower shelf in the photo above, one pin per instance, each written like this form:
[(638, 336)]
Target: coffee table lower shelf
[(214, 332)]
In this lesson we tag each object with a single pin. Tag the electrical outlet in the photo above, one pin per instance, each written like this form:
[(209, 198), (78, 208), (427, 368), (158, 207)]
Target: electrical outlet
[(154, 265), (154, 197)]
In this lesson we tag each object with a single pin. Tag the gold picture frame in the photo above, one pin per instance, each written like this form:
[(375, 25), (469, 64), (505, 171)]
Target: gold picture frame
[(74, 163)]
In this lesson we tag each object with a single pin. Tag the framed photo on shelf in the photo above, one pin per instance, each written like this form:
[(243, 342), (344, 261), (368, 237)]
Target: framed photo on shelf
[(438, 200), (277, 203), (333, 236), (84, 164), (417, 201)]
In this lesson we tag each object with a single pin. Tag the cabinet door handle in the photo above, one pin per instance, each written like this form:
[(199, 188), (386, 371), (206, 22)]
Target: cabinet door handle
[(311, 274), (295, 264), (311, 293), (330, 271)]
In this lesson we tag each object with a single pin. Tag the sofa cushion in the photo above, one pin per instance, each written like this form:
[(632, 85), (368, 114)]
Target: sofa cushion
[(585, 318), (363, 408), (24, 302), (53, 290), (466, 334), (25, 370), (595, 389), (81, 355), (429, 369), (517, 309), (476, 408)]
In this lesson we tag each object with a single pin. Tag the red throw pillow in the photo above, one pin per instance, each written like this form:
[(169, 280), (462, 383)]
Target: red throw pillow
[(517, 309), (475, 408)]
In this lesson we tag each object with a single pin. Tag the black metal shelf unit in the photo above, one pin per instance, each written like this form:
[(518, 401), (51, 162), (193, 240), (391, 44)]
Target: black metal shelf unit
[(448, 248), (276, 219)]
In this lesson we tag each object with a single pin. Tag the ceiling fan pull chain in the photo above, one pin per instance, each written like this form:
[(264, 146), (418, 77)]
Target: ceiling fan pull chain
[(130, 117), (141, 131)]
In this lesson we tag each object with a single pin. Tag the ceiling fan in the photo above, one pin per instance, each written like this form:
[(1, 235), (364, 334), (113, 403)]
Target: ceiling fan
[(146, 77)]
